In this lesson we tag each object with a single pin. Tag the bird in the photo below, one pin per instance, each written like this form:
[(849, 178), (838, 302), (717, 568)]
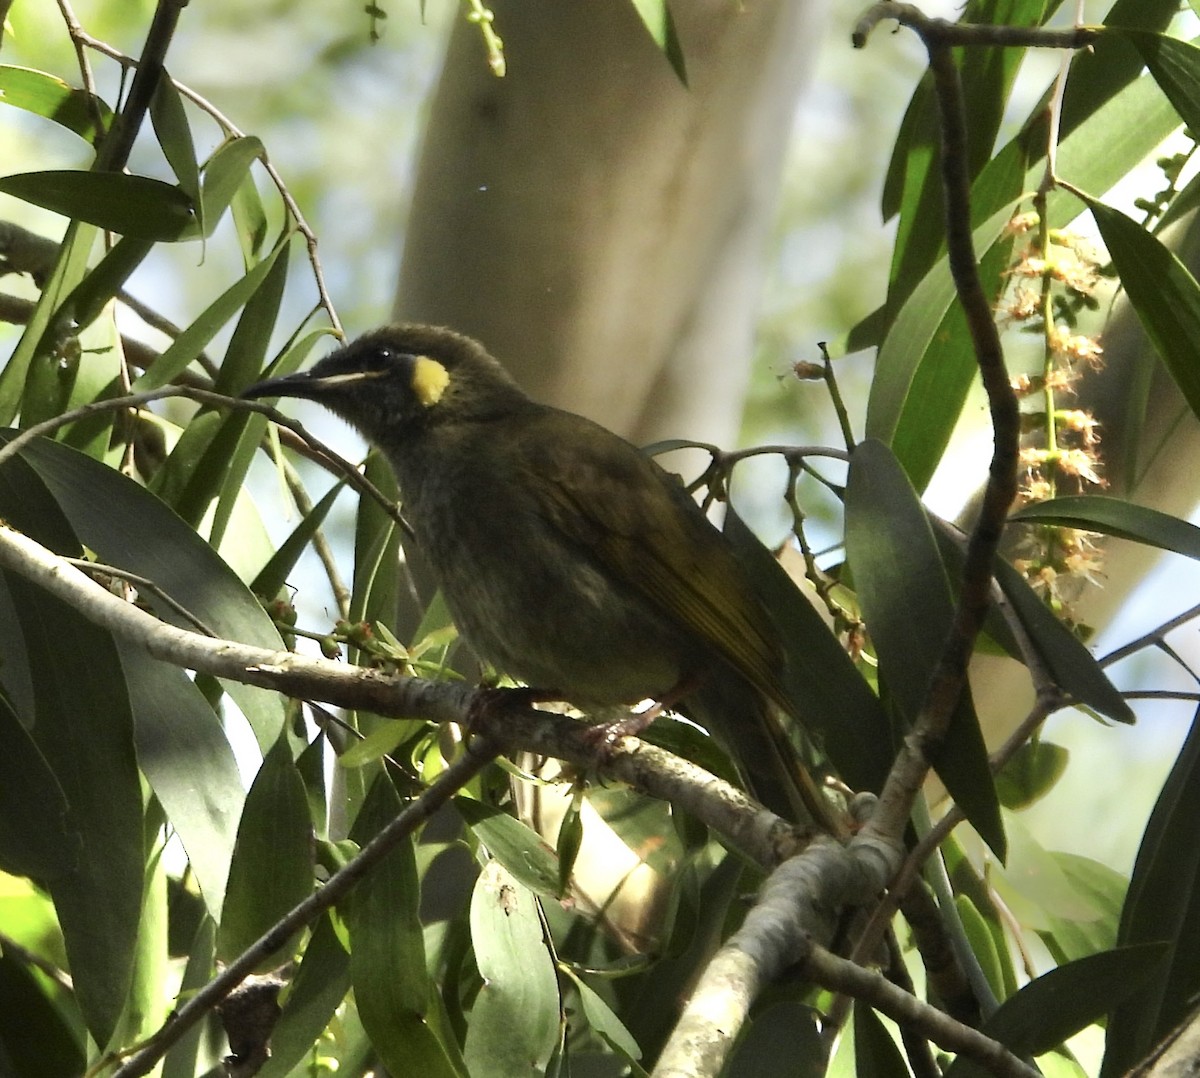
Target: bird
[(568, 558)]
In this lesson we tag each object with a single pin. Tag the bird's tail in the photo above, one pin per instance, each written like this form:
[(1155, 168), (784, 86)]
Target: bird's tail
[(752, 730)]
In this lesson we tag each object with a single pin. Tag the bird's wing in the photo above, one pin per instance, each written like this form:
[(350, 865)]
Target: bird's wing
[(640, 524)]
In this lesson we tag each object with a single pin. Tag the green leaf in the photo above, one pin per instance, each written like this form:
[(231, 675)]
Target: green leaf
[(170, 121), (222, 471), (272, 577), (34, 837), (986, 81), (1175, 66), (188, 761), (602, 1019), (83, 728), (514, 1023), (317, 991), (831, 697), (518, 848), (387, 952), (131, 205), (39, 339), (656, 17), (1073, 668), (568, 843), (272, 867), (918, 336), (226, 172), (1102, 889), (378, 743), (107, 279), (876, 1054), (48, 96), (1060, 1003), (1031, 773), (784, 1031), (192, 341), (180, 1061), (36, 1040), (1163, 293), (1163, 904), (250, 219), (982, 941), (908, 607), (127, 526), (1116, 517)]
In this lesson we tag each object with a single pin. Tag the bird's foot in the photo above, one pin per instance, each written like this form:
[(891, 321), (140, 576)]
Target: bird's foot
[(631, 725)]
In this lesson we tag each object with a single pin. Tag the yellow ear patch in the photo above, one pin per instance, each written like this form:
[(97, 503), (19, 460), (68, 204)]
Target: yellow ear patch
[(429, 380)]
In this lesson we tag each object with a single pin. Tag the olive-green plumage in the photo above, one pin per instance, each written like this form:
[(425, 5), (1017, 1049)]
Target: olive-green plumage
[(568, 559)]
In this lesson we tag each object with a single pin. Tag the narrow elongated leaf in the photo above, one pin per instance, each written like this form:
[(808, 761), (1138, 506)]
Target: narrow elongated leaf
[(517, 847), (274, 574), (1060, 1003), (36, 1040), (272, 868), (35, 839), (907, 604), (45, 95), (656, 16), (911, 341), (180, 1061), (192, 341), (83, 729), (602, 1019), (514, 1023), (317, 990), (1073, 667), (108, 278), (876, 1054), (225, 173), (1114, 516), (831, 697), (170, 121), (182, 749), (1163, 904), (1175, 65), (131, 205), (1103, 889), (387, 952), (1164, 294), (220, 470), (69, 269), (986, 81), (250, 218), (783, 1031)]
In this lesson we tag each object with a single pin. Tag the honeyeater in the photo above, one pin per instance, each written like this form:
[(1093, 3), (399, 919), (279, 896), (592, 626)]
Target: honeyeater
[(568, 559)]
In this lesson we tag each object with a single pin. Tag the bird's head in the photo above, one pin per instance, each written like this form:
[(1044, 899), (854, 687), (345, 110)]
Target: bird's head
[(403, 378)]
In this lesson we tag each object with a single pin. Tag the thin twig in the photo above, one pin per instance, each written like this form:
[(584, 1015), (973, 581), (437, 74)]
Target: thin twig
[(75, 32), (951, 33), (95, 568), (912, 764), (10, 948), (1153, 637), (873, 988)]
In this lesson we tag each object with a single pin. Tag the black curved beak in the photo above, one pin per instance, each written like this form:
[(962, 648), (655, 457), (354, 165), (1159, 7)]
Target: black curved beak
[(300, 384)]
